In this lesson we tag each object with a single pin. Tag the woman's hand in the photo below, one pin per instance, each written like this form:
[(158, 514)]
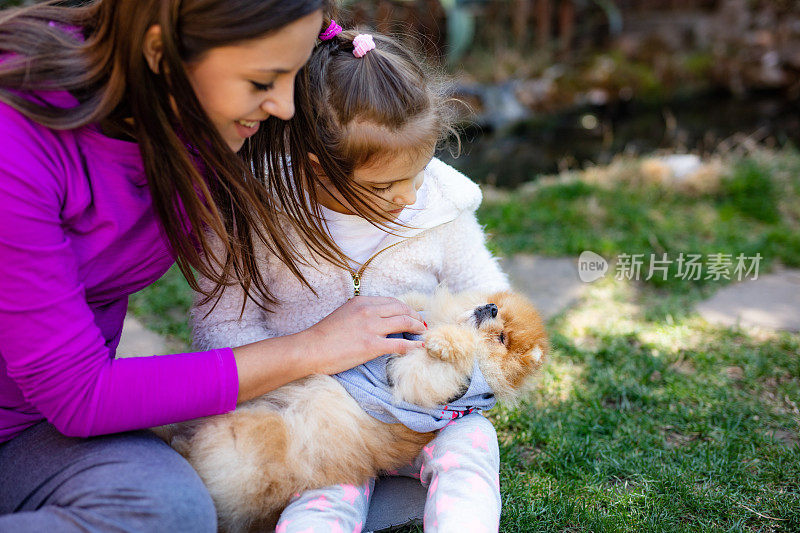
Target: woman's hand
[(351, 335), (356, 333)]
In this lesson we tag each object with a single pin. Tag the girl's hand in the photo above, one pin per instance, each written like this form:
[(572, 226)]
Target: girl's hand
[(353, 334), (356, 333)]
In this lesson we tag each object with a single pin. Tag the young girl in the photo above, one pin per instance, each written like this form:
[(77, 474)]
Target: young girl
[(403, 221)]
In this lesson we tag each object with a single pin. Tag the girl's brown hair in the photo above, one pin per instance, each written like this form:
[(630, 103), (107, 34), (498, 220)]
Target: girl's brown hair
[(197, 183), (355, 112)]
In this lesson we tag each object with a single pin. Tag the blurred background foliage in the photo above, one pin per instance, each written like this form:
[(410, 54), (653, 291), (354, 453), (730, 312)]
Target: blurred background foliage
[(724, 39), (554, 85)]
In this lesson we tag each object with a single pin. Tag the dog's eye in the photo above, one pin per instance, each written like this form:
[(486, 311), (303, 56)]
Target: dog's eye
[(502, 337)]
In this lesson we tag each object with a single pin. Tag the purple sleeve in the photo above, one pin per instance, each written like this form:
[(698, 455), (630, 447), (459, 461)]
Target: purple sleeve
[(53, 350)]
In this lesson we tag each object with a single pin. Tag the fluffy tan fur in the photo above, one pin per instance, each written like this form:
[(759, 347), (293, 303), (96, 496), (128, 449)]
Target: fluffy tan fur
[(311, 433)]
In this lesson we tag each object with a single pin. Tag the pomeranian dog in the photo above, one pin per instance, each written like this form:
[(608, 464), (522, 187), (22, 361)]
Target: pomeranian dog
[(312, 433)]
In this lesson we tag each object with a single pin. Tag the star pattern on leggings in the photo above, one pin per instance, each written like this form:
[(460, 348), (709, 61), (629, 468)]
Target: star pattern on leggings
[(429, 450), (444, 503), (477, 484), (320, 503), (351, 492), (434, 485), (448, 461), (479, 439)]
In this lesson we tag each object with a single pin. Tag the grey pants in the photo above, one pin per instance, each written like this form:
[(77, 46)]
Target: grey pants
[(124, 482)]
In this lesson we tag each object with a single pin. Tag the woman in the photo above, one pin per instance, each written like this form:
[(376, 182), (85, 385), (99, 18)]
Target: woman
[(130, 130)]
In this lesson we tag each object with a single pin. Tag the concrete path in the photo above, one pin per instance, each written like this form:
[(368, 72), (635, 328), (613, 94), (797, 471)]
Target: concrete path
[(550, 282), (139, 341), (772, 301)]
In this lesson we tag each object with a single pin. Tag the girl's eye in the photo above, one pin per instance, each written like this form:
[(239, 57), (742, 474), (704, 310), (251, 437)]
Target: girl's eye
[(382, 189), (261, 86)]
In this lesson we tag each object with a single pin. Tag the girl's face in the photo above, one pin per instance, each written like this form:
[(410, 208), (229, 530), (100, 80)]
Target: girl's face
[(242, 84), (393, 183)]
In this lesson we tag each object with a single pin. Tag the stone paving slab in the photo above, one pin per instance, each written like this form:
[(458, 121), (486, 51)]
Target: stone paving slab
[(138, 341), (772, 301), (552, 283)]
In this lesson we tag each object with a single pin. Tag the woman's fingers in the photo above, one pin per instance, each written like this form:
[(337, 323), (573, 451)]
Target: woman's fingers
[(385, 306), (356, 332), (399, 346), (401, 324), (399, 316)]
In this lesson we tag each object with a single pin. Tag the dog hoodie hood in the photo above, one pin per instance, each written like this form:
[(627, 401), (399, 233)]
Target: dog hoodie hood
[(369, 386)]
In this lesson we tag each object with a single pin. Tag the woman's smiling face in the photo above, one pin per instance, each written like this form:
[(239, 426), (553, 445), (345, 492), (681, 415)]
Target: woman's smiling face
[(243, 84)]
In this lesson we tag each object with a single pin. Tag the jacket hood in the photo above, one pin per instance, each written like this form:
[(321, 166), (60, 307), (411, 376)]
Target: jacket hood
[(448, 193), (445, 194)]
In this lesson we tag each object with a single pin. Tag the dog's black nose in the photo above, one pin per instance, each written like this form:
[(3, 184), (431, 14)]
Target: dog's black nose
[(485, 312)]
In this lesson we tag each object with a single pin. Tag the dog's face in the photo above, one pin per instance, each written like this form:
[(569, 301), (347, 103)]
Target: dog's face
[(514, 339), (502, 331)]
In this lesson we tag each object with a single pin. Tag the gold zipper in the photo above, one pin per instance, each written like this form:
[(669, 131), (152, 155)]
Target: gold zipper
[(357, 275)]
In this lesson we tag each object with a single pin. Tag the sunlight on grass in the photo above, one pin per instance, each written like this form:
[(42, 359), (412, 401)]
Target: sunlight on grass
[(607, 308), (557, 380), (649, 418), (612, 307)]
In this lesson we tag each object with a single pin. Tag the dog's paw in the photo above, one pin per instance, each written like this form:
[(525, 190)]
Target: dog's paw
[(453, 344)]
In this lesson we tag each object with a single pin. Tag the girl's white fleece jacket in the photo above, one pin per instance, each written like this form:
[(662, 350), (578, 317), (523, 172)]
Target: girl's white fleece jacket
[(445, 245)]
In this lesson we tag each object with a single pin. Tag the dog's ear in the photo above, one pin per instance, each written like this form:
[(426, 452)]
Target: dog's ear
[(538, 353)]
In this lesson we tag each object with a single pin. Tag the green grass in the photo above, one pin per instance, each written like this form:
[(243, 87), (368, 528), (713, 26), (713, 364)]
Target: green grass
[(755, 209), (645, 425), (164, 306), (646, 418)]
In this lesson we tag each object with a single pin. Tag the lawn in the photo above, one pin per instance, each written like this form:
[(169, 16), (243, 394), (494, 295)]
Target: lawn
[(647, 418), (654, 425)]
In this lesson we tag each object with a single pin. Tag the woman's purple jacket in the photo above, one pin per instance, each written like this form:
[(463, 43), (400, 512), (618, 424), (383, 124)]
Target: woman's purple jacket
[(77, 236)]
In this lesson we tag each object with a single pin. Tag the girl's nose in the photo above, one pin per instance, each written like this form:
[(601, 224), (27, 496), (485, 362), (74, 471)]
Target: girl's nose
[(407, 197), (280, 101)]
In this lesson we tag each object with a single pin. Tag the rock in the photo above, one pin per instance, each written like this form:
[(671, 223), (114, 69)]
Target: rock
[(686, 173), (498, 103)]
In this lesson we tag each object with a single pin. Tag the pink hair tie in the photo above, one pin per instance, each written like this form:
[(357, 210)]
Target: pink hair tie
[(362, 44), (332, 31)]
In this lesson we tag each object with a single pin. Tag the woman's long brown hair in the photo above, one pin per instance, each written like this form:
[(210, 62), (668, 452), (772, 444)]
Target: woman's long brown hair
[(197, 183)]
